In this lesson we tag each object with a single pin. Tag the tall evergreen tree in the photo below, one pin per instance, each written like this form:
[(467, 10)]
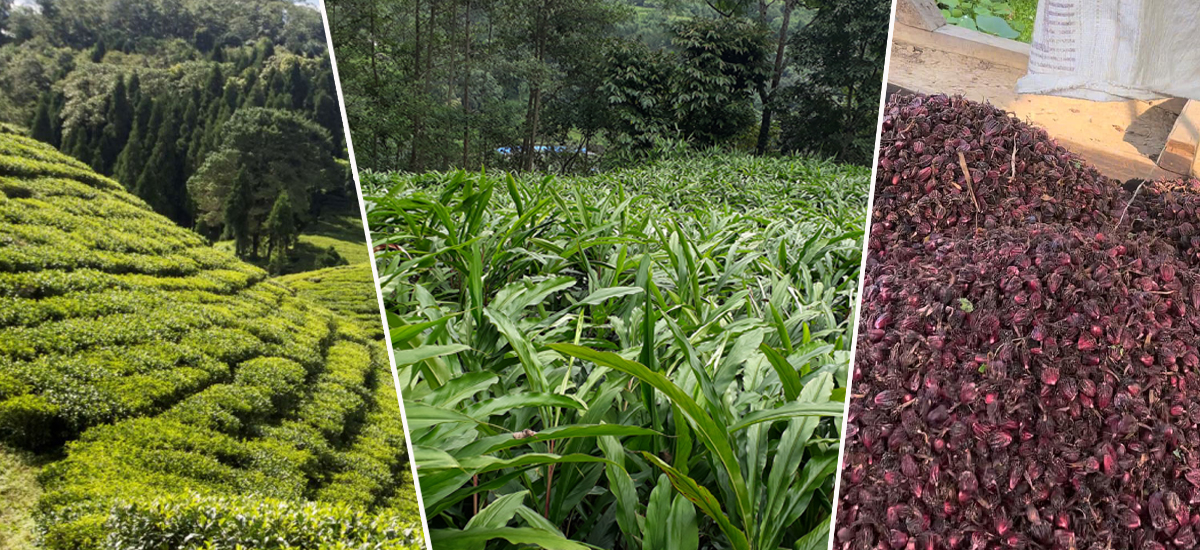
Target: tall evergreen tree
[(280, 101), (195, 146), (42, 129), (118, 124), (281, 225), (281, 151), (257, 98), (298, 85), (134, 90), (189, 126), (263, 51), (276, 83), (98, 51), (237, 214), (78, 143), (214, 87), (249, 82), (57, 102), (132, 159), (327, 114), (231, 100), (161, 182)]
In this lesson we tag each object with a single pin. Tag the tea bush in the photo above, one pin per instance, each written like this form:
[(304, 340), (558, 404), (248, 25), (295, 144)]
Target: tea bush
[(349, 290), (186, 393), (194, 522)]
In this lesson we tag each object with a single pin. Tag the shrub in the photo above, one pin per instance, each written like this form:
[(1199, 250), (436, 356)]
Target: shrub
[(29, 421), (196, 522), (330, 258)]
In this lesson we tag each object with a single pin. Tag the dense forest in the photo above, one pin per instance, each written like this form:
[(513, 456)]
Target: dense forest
[(576, 86), (223, 116)]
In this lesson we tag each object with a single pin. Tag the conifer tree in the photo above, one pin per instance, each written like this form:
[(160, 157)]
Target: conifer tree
[(276, 83), (41, 128), (189, 125), (68, 142), (57, 101), (78, 143), (118, 123), (195, 147), (231, 100), (250, 79), (134, 89), (298, 85), (281, 225), (327, 114), (161, 182), (214, 87), (280, 101), (257, 98), (98, 51), (132, 160), (237, 214), (263, 51)]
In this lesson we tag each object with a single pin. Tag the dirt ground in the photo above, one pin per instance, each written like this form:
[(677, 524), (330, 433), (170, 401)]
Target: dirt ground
[(1121, 138), (19, 492)]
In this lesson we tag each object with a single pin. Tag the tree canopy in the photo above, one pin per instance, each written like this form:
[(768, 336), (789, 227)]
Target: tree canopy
[(840, 56), (285, 155), (146, 92), (437, 84)]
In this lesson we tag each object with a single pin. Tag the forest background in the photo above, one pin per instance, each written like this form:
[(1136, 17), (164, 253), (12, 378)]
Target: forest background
[(594, 84), (222, 116)]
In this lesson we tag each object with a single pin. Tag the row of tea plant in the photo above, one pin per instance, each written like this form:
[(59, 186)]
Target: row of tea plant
[(177, 396)]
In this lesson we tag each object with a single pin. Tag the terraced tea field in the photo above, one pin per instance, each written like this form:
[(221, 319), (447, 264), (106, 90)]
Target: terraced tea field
[(348, 290), (168, 395), (650, 358)]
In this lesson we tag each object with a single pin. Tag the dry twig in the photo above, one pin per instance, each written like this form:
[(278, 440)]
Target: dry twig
[(962, 163)]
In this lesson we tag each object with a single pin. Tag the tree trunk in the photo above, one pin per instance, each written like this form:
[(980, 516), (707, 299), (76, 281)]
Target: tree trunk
[(452, 35), (535, 108), (413, 157), (374, 40), (533, 117), (764, 129), (375, 72), (466, 97)]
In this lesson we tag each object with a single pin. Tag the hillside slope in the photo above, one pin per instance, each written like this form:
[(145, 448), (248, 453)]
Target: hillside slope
[(184, 391), (348, 290)]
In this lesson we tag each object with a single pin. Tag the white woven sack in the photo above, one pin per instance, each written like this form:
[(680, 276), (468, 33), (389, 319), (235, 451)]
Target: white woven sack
[(1111, 50)]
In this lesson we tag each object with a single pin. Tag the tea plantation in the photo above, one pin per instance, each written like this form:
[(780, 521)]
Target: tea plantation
[(348, 289), (176, 396)]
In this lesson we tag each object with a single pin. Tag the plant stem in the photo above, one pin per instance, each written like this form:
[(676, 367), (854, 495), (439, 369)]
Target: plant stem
[(549, 481)]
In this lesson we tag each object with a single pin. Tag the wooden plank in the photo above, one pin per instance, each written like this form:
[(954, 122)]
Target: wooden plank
[(1179, 154), (957, 40), (922, 14)]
